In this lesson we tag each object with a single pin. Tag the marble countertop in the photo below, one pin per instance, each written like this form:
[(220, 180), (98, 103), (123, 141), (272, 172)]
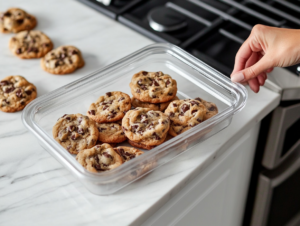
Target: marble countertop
[(34, 188)]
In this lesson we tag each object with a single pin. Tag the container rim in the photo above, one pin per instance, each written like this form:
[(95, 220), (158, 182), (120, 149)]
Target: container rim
[(238, 91)]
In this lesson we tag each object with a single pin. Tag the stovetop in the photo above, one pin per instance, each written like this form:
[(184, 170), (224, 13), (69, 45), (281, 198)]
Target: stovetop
[(211, 30)]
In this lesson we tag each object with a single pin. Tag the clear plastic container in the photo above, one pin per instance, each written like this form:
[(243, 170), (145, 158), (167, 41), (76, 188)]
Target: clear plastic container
[(194, 79)]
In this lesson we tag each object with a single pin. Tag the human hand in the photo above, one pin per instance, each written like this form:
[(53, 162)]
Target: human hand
[(265, 48)]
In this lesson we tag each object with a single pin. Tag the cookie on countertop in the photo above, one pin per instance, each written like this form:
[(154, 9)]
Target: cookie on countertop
[(62, 60), (75, 132), (16, 20), (110, 107), (15, 93), (153, 87), (30, 44), (211, 108), (128, 153), (99, 158), (185, 114), (111, 132), (145, 126), (155, 107)]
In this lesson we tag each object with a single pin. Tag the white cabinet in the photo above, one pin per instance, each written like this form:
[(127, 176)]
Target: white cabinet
[(217, 195)]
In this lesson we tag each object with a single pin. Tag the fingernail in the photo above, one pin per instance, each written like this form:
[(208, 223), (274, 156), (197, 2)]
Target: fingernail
[(238, 77)]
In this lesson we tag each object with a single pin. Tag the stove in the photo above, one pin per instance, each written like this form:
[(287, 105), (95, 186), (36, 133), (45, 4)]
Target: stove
[(211, 30)]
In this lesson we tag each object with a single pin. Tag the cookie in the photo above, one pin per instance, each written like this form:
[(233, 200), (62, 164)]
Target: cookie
[(16, 20), (110, 107), (211, 108), (139, 145), (99, 158), (111, 144), (128, 153), (145, 126), (75, 132), (15, 93), (155, 107), (153, 87), (111, 132), (185, 114), (62, 60), (30, 44)]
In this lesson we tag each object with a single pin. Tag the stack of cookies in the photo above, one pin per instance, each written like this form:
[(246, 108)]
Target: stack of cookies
[(145, 120)]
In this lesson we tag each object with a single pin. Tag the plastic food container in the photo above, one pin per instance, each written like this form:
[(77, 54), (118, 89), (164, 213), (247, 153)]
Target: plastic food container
[(194, 79)]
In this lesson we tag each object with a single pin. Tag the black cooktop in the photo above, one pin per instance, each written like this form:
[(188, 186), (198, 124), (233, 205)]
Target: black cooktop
[(211, 30)]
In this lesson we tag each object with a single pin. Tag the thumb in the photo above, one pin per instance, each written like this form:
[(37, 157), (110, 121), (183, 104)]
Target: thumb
[(251, 72)]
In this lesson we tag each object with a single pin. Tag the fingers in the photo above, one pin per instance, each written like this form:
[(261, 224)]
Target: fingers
[(242, 57), (254, 85)]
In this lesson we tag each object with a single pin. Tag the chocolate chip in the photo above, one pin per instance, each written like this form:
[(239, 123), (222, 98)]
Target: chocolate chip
[(8, 90), (92, 112), (71, 128), (170, 94), (199, 99), (29, 17), (64, 49), (56, 63), (7, 14), (79, 120), (19, 93), (22, 102), (194, 103), (175, 105), (140, 82), (122, 133), (153, 96), (101, 129), (4, 83), (146, 122), (144, 72), (156, 136), (109, 102), (19, 51), (194, 111), (64, 115), (122, 98), (134, 127), (63, 56), (20, 21), (212, 108), (143, 117), (6, 101), (80, 131), (185, 108), (199, 120), (157, 73), (168, 82), (171, 114), (28, 92), (73, 137), (105, 107), (74, 52), (124, 129), (138, 91), (107, 155), (70, 61), (144, 87), (108, 94), (155, 83)]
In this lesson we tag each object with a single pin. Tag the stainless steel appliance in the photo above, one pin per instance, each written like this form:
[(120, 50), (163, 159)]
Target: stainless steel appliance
[(213, 31)]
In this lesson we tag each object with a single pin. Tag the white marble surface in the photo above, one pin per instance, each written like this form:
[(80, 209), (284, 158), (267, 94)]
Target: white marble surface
[(34, 188)]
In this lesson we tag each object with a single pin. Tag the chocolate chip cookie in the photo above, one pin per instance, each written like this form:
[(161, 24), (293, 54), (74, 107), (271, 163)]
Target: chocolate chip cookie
[(15, 93), (16, 20), (185, 114), (155, 107), (211, 108), (30, 44), (110, 108), (128, 153), (146, 126), (62, 60), (111, 132), (139, 145), (99, 158), (153, 87), (75, 132)]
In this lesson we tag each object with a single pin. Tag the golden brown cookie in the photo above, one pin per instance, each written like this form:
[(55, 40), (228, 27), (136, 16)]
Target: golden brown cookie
[(211, 108), (139, 145), (62, 60), (110, 107), (16, 20), (75, 132), (30, 44), (15, 93), (155, 107), (145, 126), (185, 114), (99, 158), (128, 153), (111, 132), (153, 87)]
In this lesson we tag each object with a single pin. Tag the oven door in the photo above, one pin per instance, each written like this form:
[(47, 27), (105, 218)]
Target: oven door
[(284, 135), (277, 201)]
